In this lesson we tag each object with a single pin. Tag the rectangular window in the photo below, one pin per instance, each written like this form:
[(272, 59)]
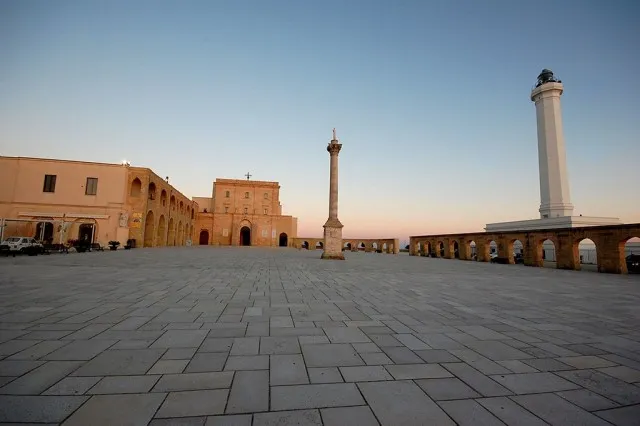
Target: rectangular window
[(246, 195), (246, 210), (226, 209), (49, 183), (92, 186), (265, 211)]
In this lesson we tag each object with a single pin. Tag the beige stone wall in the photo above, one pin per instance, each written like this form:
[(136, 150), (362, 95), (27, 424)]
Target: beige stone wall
[(224, 229), (204, 203), (250, 196)]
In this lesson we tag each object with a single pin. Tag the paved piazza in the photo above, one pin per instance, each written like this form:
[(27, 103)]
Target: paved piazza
[(248, 336)]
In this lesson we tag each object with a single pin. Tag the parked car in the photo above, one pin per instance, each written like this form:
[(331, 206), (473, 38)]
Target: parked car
[(633, 263), (23, 244)]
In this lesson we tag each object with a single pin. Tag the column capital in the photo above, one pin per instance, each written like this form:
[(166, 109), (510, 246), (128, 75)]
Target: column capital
[(334, 148)]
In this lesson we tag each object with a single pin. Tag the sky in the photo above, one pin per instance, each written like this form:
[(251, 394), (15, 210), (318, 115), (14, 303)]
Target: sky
[(430, 100)]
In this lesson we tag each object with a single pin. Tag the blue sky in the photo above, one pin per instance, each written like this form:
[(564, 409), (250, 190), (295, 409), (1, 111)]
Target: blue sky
[(430, 100)]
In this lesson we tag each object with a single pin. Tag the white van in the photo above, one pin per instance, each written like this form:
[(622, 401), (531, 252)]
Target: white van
[(20, 243)]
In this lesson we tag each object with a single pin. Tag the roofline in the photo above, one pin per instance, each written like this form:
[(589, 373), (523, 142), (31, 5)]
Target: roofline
[(58, 160), (531, 231), (243, 182)]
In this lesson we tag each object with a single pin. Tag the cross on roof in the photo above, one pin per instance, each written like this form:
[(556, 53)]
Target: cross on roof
[(248, 175)]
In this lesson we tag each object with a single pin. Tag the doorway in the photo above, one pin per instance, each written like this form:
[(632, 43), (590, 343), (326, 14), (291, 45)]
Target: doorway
[(85, 233), (284, 240), (44, 231), (245, 236), (204, 237)]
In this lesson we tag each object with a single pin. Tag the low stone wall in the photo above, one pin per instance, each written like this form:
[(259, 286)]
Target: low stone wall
[(609, 241), (385, 245)]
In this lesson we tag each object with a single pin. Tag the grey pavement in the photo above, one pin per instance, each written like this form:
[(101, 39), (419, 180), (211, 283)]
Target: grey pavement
[(256, 336)]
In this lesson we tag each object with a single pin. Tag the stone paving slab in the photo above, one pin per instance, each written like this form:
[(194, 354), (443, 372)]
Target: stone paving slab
[(251, 336)]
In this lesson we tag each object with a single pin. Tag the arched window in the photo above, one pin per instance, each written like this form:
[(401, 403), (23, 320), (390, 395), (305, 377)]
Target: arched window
[(246, 195), (136, 188), (227, 194), (152, 191)]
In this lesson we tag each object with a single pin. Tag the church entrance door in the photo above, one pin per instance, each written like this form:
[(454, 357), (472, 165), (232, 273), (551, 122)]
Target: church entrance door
[(283, 240), (204, 237), (245, 236)]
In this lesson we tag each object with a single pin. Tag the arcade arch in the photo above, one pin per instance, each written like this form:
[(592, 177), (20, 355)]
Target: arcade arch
[(160, 238), (149, 231)]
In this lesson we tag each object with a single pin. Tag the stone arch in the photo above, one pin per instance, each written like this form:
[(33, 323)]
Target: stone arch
[(180, 234), (428, 249), (417, 247), (585, 251), (374, 246), (440, 249), (347, 245), (172, 202), (163, 198), (283, 240), (192, 214), (204, 237), (149, 229), (515, 249), (87, 230), (181, 207), (472, 253), (546, 249), (136, 188), (385, 247), (629, 249), (160, 241), (245, 235), (44, 231), (319, 245), (171, 235), (305, 245), (151, 193), (455, 249)]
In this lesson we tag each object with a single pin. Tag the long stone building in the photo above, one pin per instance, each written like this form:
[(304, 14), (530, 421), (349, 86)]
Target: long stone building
[(59, 201)]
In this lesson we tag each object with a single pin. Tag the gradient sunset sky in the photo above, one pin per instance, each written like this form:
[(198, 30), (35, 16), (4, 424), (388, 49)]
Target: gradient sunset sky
[(430, 100)]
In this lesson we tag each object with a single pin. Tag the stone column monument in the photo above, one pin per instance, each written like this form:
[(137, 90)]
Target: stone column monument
[(555, 199), (333, 227)]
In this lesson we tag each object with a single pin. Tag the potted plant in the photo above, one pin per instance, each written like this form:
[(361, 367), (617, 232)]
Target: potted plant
[(113, 245)]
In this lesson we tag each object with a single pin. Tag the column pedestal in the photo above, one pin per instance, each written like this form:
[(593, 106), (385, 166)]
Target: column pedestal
[(333, 240)]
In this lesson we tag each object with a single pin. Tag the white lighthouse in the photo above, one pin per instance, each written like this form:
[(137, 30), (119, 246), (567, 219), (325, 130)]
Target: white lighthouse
[(556, 210), (555, 198)]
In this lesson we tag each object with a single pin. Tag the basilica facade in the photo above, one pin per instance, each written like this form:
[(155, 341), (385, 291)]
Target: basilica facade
[(243, 213)]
